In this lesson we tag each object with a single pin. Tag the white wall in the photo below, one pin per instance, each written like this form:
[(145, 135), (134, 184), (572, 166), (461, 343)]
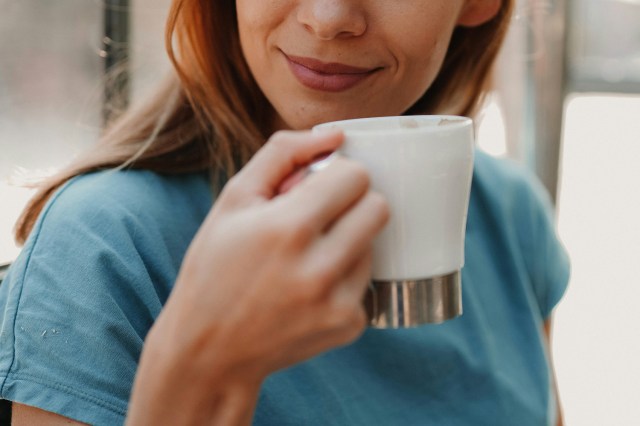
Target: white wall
[(597, 325), (596, 338), (51, 77)]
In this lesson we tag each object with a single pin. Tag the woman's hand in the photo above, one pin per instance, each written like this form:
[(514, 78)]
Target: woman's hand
[(270, 280)]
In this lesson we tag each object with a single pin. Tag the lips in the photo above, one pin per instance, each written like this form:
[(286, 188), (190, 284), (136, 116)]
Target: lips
[(327, 76)]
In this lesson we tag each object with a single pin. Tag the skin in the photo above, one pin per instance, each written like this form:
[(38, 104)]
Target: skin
[(311, 241), (407, 40)]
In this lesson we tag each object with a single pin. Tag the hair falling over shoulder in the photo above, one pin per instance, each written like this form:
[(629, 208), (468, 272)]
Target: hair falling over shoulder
[(209, 114)]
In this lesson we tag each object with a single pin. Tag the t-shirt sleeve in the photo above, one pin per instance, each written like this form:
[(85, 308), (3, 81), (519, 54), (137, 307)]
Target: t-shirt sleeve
[(544, 254), (76, 307)]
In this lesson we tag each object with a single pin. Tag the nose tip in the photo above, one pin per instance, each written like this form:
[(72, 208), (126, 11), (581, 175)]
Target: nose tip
[(324, 34), (328, 20)]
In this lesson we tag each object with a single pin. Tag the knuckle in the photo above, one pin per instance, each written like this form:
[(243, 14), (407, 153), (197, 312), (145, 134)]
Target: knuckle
[(276, 230), (269, 235), (233, 192), (359, 322), (323, 276), (356, 319), (281, 140), (328, 273), (380, 205), (233, 184), (313, 285), (359, 175), (292, 230), (352, 320), (304, 293), (299, 229)]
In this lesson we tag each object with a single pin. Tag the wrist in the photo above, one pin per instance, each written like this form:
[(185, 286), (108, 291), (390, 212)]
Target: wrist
[(177, 383)]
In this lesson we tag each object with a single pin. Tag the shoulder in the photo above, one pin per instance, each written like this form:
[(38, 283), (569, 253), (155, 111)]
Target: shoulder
[(91, 279), (134, 202), (508, 187), (115, 229), (140, 192), (503, 173), (510, 207), (122, 215)]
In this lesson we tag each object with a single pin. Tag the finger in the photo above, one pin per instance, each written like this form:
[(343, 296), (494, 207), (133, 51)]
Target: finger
[(292, 180), (282, 155), (322, 341), (325, 195), (297, 176), (343, 318), (352, 234), (351, 292), (345, 314), (316, 342)]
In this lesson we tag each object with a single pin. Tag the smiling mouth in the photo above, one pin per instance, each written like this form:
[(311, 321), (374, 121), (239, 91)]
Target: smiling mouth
[(327, 76)]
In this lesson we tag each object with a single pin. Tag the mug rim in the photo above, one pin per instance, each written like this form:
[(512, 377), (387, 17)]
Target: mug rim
[(455, 122)]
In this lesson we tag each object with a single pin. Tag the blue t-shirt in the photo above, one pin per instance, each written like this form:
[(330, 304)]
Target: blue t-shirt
[(102, 259)]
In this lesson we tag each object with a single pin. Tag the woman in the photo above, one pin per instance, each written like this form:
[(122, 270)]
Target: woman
[(251, 310)]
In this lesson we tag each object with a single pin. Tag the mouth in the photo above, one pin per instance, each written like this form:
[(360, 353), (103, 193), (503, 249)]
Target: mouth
[(327, 76)]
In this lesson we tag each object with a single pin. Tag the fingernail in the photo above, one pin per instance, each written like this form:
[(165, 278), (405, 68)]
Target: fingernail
[(316, 166)]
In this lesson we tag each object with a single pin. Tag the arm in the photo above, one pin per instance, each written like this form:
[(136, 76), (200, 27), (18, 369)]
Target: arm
[(269, 280), (290, 273), (24, 415), (547, 333)]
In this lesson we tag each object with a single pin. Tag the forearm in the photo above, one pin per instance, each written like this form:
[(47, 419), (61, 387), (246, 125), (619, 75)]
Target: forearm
[(229, 407)]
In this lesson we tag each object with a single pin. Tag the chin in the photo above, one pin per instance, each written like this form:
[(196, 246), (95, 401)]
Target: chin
[(307, 119)]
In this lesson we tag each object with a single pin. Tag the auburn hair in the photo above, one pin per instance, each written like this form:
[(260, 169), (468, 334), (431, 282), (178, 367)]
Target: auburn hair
[(209, 114)]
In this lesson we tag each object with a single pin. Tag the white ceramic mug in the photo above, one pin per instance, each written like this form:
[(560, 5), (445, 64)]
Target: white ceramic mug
[(423, 166)]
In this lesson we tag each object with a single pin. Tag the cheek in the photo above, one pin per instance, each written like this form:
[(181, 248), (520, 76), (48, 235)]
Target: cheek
[(423, 56), (254, 21), (259, 22)]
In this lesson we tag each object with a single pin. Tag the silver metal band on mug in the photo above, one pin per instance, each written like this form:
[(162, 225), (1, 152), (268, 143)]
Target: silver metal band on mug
[(396, 304)]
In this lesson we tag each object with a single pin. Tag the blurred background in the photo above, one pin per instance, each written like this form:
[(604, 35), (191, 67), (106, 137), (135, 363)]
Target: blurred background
[(566, 105)]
